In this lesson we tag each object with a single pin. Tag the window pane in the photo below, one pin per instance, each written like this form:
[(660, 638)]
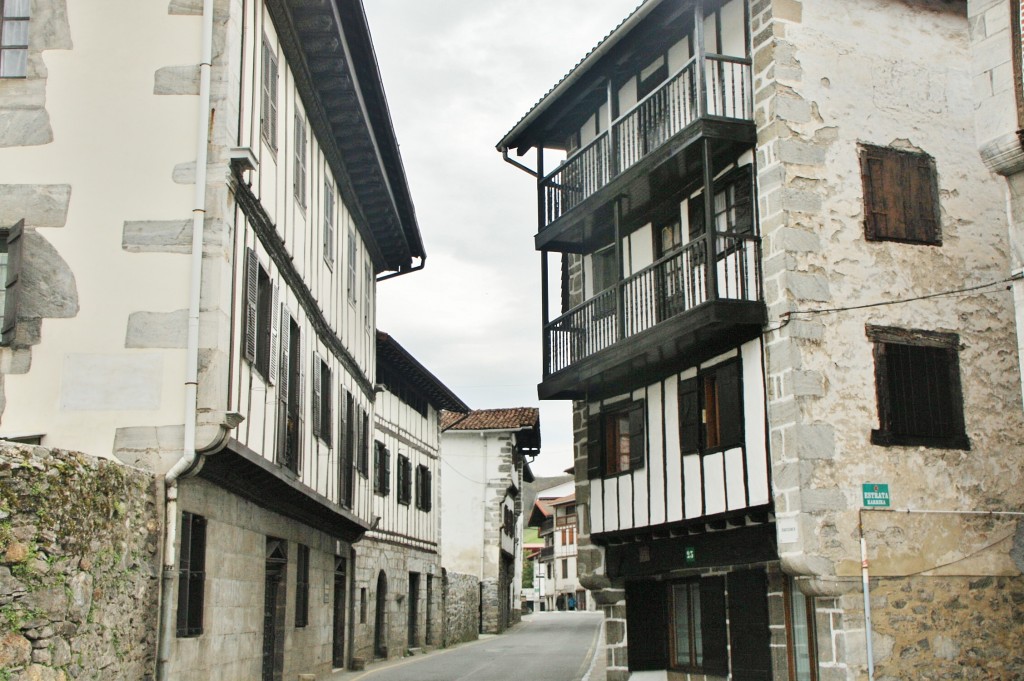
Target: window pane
[(16, 8), (681, 615), (13, 63), (15, 33), (698, 639), (801, 635)]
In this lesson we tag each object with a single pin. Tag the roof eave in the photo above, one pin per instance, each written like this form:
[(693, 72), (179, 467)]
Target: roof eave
[(511, 139)]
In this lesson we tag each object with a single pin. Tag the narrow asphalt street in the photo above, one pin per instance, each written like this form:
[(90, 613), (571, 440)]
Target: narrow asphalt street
[(546, 646)]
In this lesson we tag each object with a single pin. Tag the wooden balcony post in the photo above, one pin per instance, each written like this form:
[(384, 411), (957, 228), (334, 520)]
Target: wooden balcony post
[(620, 289), (711, 240), (545, 312), (698, 37), (613, 139), (545, 316)]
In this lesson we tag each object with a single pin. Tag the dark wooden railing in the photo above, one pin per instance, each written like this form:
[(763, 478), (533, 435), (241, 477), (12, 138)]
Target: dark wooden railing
[(723, 92), (667, 288)]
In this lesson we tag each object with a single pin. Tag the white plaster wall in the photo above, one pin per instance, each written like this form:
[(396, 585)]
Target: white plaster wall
[(116, 144), (405, 431)]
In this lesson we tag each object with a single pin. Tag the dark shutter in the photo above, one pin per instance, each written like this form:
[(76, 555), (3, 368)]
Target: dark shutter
[(695, 215), (300, 407), (252, 277), (689, 416), (364, 450), (275, 337), (316, 406), (647, 625), (428, 490), (730, 405), (743, 206), (378, 466), (15, 241), (901, 197), (283, 389), (749, 635), (637, 436), (594, 447), (386, 480), (923, 196), (713, 629)]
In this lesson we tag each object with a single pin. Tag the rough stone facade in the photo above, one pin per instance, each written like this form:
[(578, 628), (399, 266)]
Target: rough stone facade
[(396, 562), (79, 567), (461, 608), (235, 585), (821, 91)]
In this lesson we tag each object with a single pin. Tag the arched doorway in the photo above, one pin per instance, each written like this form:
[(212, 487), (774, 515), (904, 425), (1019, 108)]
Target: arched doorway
[(380, 634)]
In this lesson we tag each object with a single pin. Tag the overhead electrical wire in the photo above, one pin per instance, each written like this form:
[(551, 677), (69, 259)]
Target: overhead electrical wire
[(787, 317)]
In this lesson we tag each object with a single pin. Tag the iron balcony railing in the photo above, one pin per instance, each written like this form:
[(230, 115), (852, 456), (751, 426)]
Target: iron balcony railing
[(674, 284), (546, 525), (723, 92)]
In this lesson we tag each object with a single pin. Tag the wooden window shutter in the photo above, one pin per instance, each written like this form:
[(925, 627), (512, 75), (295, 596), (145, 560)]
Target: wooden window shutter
[(647, 625), (877, 210), (364, 451), (316, 406), (252, 279), (637, 436), (428, 492), (923, 197), (713, 629), (730, 405), (386, 480), (744, 203), (275, 335), (749, 634), (689, 416), (300, 407), (595, 447), (15, 243), (282, 387)]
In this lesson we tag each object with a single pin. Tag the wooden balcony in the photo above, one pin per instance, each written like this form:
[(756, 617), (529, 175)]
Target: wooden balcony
[(710, 96), (681, 309)]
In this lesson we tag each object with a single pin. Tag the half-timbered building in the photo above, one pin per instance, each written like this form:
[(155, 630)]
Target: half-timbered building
[(775, 306), (398, 562), (198, 200)]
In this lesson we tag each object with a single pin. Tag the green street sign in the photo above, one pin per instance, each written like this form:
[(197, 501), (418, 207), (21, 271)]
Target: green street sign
[(876, 495), (691, 555)]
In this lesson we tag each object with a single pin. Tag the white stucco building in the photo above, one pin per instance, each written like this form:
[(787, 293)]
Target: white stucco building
[(484, 463), (198, 201)]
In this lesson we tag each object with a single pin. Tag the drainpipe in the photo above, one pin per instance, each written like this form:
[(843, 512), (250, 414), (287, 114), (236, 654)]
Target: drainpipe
[(188, 456)]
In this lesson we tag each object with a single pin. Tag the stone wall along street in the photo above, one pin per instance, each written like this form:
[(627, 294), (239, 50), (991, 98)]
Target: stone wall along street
[(79, 567)]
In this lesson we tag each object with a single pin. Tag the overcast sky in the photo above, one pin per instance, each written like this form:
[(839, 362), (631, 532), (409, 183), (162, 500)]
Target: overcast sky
[(458, 75)]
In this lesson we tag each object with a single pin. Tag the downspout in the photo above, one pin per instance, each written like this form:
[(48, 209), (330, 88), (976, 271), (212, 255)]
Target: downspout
[(188, 456)]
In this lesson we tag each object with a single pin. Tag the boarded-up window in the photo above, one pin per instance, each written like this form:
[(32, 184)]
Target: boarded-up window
[(901, 196), (917, 387)]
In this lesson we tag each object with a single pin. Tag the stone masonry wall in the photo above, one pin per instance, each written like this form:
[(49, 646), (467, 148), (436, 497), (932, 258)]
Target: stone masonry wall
[(461, 608), (79, 567)]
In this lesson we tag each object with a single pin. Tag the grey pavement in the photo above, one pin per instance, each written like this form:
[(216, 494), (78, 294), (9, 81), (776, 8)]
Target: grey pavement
[(545, 646)]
